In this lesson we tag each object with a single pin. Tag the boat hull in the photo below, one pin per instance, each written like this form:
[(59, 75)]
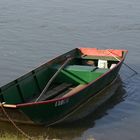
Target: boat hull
[(55, 110), (49, 113)]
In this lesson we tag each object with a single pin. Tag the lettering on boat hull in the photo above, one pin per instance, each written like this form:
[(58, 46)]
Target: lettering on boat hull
[(61, 102)]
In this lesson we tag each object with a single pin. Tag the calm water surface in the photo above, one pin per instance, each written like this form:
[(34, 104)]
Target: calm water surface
[(32, 32)]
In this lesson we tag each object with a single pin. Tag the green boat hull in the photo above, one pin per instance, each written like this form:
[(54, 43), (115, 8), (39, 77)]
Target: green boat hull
[(49, 113), (54, 110)]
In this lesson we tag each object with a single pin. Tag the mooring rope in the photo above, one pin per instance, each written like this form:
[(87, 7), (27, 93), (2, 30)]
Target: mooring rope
[(13, 123), (123, 62)]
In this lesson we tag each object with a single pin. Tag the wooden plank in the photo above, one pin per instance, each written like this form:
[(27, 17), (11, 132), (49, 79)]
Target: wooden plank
[(54, 92), (8, 105), (99, 57), (75, 90)]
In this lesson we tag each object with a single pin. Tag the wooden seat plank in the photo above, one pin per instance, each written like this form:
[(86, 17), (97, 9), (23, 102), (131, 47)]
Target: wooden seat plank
[(75, 90), (54, 92)]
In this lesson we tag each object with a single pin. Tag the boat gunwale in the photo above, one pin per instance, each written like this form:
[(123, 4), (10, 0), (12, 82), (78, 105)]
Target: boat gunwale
[(63, 98)]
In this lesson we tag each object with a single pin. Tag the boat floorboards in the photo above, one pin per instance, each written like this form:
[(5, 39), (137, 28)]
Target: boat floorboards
[(55, 92)]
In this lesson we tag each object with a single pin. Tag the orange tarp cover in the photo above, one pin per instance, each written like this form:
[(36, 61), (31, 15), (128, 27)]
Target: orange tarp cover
[(99, 52)]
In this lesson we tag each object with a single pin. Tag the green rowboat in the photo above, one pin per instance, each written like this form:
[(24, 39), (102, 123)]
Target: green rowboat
[(52, 91)]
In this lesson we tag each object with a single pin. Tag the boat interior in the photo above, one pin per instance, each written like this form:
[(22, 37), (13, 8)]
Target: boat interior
[(76, 76), (80, 71)]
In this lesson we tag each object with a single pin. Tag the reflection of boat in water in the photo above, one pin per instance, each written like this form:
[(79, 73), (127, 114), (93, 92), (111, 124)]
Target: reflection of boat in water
[(52, 92)]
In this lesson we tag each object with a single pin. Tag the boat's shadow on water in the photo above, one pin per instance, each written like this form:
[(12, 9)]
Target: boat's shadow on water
[(79, 121)]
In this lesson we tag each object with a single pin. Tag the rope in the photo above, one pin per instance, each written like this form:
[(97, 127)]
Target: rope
[(123, 62), (13, 123)]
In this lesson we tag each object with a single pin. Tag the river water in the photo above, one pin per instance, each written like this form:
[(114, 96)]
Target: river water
[(32, 32)]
